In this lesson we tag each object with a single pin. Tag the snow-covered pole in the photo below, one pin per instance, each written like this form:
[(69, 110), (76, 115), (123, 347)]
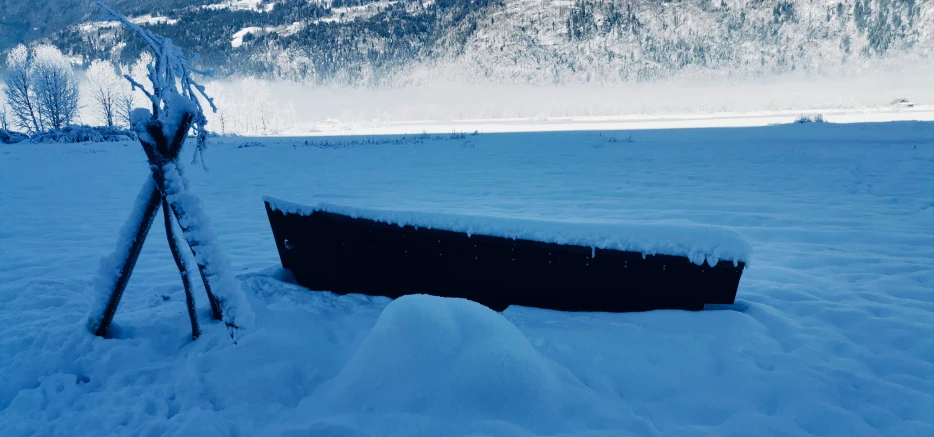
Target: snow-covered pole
[(112, 279), (227, 302), (183, 269)]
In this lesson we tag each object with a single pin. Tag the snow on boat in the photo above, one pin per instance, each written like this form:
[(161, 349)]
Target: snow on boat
[(559, 265)]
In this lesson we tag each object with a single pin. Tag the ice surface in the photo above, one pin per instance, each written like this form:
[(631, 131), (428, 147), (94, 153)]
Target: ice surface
[(665, 237), (830, 336)]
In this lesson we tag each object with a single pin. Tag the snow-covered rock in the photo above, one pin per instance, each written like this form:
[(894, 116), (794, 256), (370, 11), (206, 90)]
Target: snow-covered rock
[(11, 137)]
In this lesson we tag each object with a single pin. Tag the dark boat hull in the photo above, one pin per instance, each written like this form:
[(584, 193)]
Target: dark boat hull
[(333, 252)]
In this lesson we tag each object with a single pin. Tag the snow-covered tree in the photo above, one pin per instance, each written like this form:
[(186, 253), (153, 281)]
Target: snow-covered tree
[(249, 108), (105, 88), (256, 97), (20, 93), (56, 87), (222, 98)]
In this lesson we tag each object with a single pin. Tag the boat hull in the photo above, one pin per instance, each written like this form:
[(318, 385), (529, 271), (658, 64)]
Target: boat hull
[(341, 254)]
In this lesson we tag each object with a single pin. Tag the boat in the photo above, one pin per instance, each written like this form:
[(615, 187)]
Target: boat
[(498, 262)]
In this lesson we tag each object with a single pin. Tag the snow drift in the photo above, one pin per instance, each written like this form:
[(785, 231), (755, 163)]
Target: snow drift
[(445, 356), (456, 361)]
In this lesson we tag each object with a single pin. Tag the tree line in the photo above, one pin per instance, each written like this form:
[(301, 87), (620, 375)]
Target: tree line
[(41, 90)]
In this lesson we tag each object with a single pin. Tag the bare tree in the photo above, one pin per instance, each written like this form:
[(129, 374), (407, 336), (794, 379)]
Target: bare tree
[(250, 108), (219, 93), (19, 91), (56, 87), (127, 97), (105, 87), (4, 118), (124, 107), (126, 101)]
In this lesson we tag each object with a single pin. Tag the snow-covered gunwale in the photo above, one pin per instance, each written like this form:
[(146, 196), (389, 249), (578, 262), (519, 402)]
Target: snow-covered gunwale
[(699, 243)]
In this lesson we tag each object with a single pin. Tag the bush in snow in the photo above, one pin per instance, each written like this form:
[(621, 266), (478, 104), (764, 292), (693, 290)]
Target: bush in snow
[(8, 137), (82, 134), (819, 118)]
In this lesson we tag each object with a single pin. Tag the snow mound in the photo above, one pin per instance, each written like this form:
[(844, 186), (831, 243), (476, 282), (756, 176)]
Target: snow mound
[(10, 137), (447, 357), (697, 242), (82, 134)]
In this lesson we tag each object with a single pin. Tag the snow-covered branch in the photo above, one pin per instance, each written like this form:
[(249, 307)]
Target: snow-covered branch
[(171, 75)]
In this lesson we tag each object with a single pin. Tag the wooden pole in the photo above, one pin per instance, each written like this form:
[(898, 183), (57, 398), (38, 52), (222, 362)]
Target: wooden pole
[(182, 269), (126, 269), (164, 151)]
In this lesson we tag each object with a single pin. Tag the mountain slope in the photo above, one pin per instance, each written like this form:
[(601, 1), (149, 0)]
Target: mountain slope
[(26, 21), (366, 42), (542, 41)]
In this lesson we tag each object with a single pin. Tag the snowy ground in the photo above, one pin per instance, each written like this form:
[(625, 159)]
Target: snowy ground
[(832, 334)]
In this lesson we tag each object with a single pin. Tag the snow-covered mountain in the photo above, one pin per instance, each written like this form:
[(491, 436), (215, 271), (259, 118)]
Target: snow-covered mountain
[(27, 21), (605, 41), (507, 41)]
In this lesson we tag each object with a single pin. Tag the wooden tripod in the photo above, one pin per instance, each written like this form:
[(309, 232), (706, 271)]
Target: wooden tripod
[(162, 152)]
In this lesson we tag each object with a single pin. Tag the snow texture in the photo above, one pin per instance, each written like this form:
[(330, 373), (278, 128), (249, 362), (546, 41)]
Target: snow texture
[(830, 335), (499, 374), (659, 237), (178, 107)]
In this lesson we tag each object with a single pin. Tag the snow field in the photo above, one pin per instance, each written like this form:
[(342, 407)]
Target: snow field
[(830, 336)]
